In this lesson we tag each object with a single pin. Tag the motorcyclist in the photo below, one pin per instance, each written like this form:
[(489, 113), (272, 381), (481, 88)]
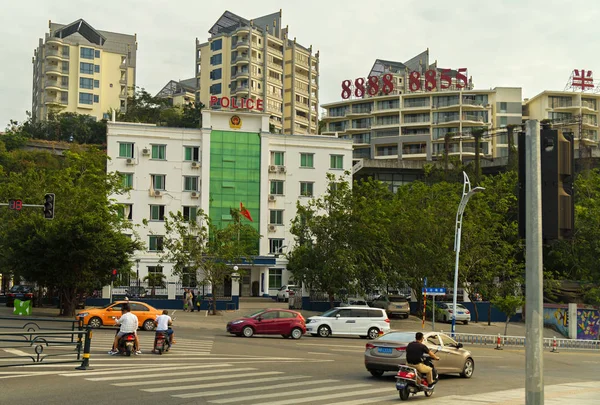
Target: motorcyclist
[(129, 324), (414, 358), (163, 323)]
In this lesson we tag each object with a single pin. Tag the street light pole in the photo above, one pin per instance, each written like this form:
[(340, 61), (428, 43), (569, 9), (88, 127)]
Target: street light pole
[(137, 274), (466, 195)]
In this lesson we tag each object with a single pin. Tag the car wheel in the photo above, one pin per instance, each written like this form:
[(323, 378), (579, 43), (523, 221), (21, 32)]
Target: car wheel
[(404, 393), (148, 325), (95, 322), (376, 373), (373, 333), (466, 322), (324, 331), (468, 368), (247, 331), (405, 316), (296, 333)]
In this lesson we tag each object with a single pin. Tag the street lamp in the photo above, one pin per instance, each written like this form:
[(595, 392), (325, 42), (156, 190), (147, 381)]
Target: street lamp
[(137, 274), (466, 194)]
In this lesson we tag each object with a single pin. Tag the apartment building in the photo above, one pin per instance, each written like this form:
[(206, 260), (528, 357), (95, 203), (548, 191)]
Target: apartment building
[(179, 92), (412, 120), (232, 159), (257, 59), (79, 69)]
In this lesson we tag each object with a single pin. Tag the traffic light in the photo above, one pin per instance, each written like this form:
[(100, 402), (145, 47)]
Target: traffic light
[(114, 274), (49, 206), (16, 205)]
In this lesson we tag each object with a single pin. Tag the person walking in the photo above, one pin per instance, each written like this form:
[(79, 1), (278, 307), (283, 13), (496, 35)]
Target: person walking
[(185, 300), (190, 300)]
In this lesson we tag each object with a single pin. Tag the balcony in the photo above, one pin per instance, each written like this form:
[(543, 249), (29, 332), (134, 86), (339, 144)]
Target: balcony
[(417, 105), (241, 44), (55, 85), (589, 135), (275, 65), (385, 124), (473, 118), (240, 74), (474, 104), (56, 54), (358, 111), (445, 104), (590, 121), (55, 70), (302, 119), (241, 90), (589, 104), (123, 80), (240, 59), (420, 121), (55, 99), (54, 41), (386, 109), (416, 133)]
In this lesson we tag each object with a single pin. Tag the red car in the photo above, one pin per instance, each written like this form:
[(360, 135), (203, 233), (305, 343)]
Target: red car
[(270, 322)]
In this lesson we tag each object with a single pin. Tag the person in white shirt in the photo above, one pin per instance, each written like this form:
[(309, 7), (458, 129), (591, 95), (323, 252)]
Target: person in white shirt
[(162, 323), (129, 324)]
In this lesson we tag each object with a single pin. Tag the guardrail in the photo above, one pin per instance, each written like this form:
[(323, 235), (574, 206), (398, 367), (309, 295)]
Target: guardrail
[(550, 343), (33, 324)]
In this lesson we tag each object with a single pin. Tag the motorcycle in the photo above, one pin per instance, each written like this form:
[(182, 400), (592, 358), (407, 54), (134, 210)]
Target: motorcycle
[(126, 344), (162, 342), (410, 381)]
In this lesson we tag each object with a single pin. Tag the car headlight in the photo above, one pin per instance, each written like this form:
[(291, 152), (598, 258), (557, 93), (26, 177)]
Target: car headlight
[(236, 322), (83, 314)]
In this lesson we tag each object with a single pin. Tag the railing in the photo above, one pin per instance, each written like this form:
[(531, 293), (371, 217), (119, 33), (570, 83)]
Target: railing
[(472, 117), (408, 104), (239, 43), (409, 120), (445, 103), (469, 101), (493, 340), (589, 104), (276, 65), (54, 52)]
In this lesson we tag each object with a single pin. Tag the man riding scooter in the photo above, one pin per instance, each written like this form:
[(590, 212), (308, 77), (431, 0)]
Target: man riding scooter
[(129, 324), (414, 358), (163, 325)]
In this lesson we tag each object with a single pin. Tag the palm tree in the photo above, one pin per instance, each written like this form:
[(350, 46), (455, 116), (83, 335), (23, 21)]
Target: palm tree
[(155, 280)]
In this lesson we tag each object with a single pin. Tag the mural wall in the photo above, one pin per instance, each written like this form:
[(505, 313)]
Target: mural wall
[(588, 321), (556, 317), (588, 324)]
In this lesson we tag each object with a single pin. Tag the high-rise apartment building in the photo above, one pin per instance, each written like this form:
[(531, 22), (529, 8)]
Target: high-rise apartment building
[(77, 68), (256, 59)]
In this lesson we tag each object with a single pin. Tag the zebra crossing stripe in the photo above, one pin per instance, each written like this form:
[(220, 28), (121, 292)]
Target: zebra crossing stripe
[(240, 382), (201, 377), (218, 377)]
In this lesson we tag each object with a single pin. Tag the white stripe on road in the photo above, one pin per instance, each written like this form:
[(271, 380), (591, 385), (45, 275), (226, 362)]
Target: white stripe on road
[(335, 346), (322, 397), (18, 352), (159, 375), (183, 380), (286, 393), (243, 390), (240, 382), (320, 354), (366, 401), (136, 369), (217, 377)]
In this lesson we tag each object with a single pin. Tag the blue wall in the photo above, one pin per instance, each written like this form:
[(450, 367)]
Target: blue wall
[(222, 305), (482, 307)]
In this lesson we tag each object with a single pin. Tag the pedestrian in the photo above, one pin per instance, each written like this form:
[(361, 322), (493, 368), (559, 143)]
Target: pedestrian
[(190, 300), (185, 301)]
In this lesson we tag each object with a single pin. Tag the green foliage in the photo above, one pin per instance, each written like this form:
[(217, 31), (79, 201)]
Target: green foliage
[(509, 304)]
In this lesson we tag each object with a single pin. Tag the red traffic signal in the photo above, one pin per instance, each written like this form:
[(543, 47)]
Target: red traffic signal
[(15, 205), (114, 272)]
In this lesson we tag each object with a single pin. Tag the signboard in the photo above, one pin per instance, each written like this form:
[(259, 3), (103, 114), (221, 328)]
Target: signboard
[(582, 79), (235, 122), (235, 103), (434, 291)]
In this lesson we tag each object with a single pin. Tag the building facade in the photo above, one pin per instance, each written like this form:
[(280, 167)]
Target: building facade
[(179, 93), (79, 69), (257, 59), (426, 111), (214, 169)]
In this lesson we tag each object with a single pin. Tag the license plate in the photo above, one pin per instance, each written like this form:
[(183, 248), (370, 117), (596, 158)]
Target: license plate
[(460, 313), (400, 385), (387, 350)]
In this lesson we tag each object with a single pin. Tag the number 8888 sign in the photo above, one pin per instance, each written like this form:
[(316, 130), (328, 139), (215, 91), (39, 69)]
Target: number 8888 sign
[(372, 86)]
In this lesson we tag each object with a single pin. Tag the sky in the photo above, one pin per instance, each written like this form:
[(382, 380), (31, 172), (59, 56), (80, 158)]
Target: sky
[(533, 44)]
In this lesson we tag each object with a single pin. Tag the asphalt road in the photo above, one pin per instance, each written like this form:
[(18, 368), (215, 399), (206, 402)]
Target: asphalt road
[(212, 367)]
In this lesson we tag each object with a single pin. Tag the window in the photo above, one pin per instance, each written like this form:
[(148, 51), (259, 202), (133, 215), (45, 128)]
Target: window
[(86, 83), (216, 74), (125, 211), (192, 153), (336, 161), (96, 98), (190, 183), (216, 45), (159, 152), (137, 307), (189, 213), (503, 122), (65, 67), (157, 212), (277, 158), (97, 68), (215, 88), (155, 244), (306, 189), (96, 83), (87, 53), (433, 340), (216, 59), (96, 54), (86, 98), (125, 150), (86, 68), (503, 107), (64, 81), (306, 159), (275, 246), (127, 179), (155, 269), (65, 51), (275, 278), (189, 278), (158, 181), (276, 187), (447, 340), (276, 217)]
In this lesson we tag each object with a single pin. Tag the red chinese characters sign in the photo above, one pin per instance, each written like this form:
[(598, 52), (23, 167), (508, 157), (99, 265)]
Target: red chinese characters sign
[(582, 79), (385, 84)]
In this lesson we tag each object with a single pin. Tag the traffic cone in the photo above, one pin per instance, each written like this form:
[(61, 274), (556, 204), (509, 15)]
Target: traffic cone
[(498, 342), (554, 345)]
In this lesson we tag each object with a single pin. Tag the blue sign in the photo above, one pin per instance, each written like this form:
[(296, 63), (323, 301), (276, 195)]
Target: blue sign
[(425, 282), (434, 291)]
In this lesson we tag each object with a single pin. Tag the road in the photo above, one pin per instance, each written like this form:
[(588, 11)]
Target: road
[(211, 367)]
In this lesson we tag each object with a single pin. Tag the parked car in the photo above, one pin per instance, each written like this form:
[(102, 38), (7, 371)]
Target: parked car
[(283, 294), (357, 321), (462, 314), (135, 292), (19, 292), (393, 305), (96, 317), (354, 302), (269, 322), (387, 352)]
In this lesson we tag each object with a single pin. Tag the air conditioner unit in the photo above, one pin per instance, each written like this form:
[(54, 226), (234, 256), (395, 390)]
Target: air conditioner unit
[(130, 161), (145, 151), (272, 228), (272, 169), (157, 193), (195, 165), (272, 197), (282, 169), (195, 194)]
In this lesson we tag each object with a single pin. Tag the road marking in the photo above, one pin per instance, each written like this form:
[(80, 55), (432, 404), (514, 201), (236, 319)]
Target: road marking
[(366, 401), (488, 357), (320, 354), (286, 393), (240, 382), (320, 344), (216, 377), (162, 375), (243, 390), (18, 352), (323, 397), (346, 350), (136, 369), (182, 380)]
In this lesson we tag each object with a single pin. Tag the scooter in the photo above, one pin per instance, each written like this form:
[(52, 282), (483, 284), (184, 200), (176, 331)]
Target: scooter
[(409, 381), (126, 344), (162, 340)]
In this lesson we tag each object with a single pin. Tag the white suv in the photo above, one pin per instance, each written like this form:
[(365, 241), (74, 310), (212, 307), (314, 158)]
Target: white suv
[(283, 294), (357, 321)]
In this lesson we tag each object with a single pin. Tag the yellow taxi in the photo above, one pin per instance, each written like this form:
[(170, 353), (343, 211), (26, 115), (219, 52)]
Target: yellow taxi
[(96, 317)]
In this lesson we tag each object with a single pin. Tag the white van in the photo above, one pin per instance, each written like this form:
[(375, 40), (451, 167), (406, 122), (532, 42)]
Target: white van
[(357, 321)]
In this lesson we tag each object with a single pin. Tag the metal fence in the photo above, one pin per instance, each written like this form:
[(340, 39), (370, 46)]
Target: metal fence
[(549, 343)]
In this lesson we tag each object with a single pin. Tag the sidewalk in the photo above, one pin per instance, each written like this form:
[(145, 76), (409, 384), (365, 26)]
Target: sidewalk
[(580, 393)]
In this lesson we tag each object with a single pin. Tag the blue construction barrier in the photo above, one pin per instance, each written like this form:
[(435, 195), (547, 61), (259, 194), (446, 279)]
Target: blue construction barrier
[(222, 304), (482, 307)]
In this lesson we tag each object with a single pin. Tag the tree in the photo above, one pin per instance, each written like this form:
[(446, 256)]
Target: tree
[(200, 246), (509, 304), (155, 280), (478, 133)]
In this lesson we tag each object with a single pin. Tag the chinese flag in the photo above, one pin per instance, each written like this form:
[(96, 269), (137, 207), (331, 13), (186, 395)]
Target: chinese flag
[(245, 212)]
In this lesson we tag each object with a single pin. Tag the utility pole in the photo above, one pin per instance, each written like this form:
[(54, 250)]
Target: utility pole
[(534, 349)]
